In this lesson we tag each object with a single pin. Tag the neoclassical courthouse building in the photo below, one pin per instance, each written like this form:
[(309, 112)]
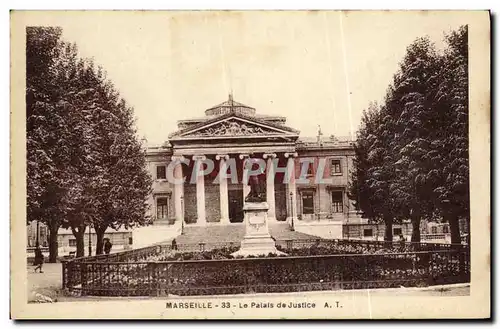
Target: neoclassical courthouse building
[(229, 134), (234, 132)]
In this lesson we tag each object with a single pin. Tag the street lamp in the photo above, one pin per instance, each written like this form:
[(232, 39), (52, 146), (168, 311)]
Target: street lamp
[(291, 210), (37, 233), (90, 241), (182, 214)]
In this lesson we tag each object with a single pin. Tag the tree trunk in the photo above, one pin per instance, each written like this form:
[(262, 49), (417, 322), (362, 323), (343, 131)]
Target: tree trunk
[(415, 224), (454, 228), (99, 247), (80, 245), (388, 228), (79, 234), (53, 245)]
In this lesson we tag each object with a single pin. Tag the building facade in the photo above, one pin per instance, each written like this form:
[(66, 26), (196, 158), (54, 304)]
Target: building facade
[(201, 172), (121, 239)]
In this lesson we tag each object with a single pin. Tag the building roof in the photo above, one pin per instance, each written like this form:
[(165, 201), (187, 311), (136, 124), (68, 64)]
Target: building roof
[(229, 105), (236, 114), (325, 139), (231, 108)]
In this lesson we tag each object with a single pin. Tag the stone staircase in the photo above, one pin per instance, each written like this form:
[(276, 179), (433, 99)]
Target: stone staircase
[(211, 234), (219, 235), (282, 231), (153, 234)]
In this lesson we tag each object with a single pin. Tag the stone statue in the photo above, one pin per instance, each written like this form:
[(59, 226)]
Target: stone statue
[(257, 192)]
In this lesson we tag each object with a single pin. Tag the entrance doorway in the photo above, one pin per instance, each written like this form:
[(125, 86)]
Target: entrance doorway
[(236, 205)]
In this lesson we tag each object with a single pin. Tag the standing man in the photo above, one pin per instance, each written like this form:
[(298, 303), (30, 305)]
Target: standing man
[(107, 246)]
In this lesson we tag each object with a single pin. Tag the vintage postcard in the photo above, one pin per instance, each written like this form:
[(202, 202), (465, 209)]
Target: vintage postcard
[(250, 164)]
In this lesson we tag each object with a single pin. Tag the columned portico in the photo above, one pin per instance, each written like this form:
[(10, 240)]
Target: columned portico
[(270, 193), (228, 143), (224, 199), (200, 189), (230, 130)]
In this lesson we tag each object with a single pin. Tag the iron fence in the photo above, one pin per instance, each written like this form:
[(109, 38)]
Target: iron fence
[(304, 246), (365, 246), (270, 274), (133, 255)]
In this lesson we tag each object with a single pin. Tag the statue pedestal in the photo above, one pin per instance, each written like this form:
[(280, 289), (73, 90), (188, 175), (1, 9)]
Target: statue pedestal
[(257, 240)]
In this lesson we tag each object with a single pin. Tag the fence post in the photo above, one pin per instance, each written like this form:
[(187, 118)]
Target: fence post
[(64, 269), (156, 276), (167, 280), (428, 257), (153, 279), (83, 277), (461, 261)]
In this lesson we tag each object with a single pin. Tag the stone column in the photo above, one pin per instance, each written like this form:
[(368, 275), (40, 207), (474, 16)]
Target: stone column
[(200, 190), (178, 189), (246, 187), (292, 187), (270, 186), (224, 199)]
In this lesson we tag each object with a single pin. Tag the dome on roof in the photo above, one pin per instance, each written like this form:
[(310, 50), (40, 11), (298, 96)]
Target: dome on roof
[(230, 106)]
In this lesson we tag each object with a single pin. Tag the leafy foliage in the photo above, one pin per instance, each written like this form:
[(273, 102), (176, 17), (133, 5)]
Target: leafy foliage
[(412, 151), (85, 163)]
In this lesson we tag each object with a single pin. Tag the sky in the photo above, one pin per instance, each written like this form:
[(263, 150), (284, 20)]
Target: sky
[(313, 67)]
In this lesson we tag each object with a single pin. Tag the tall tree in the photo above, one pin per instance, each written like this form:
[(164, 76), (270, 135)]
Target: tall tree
[(47, 151), (125, 181), (452, 188), (370, 185), (82, 100), (412, 152), (85, 162), (111, 174), (411, 107)]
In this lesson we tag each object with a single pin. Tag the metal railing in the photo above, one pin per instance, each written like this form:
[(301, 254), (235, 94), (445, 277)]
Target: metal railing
[(132, 255), (270, 274), (366, 246)]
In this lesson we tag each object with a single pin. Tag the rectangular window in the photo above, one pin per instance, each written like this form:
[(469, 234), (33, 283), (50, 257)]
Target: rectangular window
[(337, 202), (397, 231), (446, 229), (335, 167), (161, 208), (307, 202), (130, 240), (434, 230), (72, 242), (161, 172), (368, 232)]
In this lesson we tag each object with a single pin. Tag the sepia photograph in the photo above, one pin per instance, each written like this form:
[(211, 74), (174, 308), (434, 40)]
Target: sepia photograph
[(250, 164)]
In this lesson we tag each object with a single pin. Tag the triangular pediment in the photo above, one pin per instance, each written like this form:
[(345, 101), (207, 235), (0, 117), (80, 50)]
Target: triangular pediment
[(234, 126)]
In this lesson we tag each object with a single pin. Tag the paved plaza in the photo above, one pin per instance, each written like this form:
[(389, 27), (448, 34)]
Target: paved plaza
[(48, 283)]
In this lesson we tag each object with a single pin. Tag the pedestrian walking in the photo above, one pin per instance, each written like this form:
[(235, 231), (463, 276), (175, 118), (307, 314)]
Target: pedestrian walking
[(39, 258)]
